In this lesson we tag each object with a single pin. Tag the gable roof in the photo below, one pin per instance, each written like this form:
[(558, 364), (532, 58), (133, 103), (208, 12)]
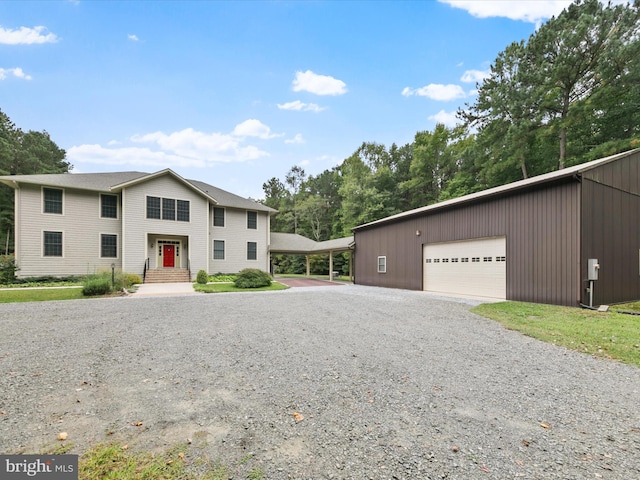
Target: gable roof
[(228, 199), (116, 181), (297, 244), (502, 189), (100, 182)]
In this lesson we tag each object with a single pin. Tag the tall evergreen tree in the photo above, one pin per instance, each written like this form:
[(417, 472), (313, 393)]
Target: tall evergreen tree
[(23, 154)]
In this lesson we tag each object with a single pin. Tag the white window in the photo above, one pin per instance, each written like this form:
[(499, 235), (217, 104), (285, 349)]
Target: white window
[(108, 206), (108, 245), (52, 244), (252, 250), (252, 220), (382, 264), (52, 200), (218, 217), (218, 249)]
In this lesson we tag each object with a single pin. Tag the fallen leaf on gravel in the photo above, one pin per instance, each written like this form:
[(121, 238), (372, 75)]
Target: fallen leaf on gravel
[(454, 448), (297, 417), (525, 442), (136, 424), (63, 435), (189, 441), (545, 425), (520, 463), (3, 412), (181, 456), (124, 447), (484, 469)]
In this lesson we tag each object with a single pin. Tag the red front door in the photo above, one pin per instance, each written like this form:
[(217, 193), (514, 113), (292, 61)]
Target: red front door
[(168, 256)]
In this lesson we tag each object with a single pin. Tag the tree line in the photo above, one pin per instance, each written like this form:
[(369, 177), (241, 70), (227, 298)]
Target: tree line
[(23, 153), (567, 95)]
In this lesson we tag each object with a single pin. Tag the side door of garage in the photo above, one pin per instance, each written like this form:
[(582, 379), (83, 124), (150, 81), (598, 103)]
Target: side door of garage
[(473, 268)]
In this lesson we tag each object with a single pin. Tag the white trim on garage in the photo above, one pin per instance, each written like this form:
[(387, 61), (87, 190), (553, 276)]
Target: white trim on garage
[(473, 268)]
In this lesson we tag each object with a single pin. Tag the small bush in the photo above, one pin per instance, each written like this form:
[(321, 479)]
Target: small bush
[(252, 278), (97, 285), (222, 277), (8, 269), (50, 280), (129, 279), (202, 277)]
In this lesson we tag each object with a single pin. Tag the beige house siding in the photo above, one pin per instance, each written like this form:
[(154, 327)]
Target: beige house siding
[(184, 244), (235, 235), (141, 233), (81, 227)]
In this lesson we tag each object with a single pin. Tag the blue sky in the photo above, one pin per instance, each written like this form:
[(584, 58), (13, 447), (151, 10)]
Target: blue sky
[(234, 93)]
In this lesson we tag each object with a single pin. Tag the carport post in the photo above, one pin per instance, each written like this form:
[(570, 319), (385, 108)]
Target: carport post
[(331, 265), (308, 266)]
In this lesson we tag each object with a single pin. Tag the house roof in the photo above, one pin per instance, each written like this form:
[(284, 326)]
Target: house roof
[(297, 244), (501, 190), (115, 181)]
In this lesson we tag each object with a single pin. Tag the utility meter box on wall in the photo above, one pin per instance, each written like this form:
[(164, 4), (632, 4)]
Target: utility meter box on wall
[(592, 269)]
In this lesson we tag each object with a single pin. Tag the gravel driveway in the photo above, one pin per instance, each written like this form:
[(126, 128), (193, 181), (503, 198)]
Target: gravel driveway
[(345, 382)]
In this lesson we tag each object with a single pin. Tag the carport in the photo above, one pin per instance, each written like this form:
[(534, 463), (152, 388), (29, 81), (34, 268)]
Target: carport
[(294, 244)]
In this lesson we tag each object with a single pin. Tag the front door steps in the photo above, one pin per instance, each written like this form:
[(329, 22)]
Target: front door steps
[(167, 275)]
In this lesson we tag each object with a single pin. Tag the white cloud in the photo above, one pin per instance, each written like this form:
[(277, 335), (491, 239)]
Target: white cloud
[(181, 149), (435, 91), (318, 84), (295, 140), (301, 106), (531, 11), (139, 157), (449, 119), (16, 72), (191, 143), (26, 35), (475, 76), (133, 37), (254, 128)]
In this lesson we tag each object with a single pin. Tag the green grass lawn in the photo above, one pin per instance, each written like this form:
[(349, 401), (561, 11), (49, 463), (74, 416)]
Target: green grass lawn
[(604, 334), (230, 287), (115, 461), (40, 294)]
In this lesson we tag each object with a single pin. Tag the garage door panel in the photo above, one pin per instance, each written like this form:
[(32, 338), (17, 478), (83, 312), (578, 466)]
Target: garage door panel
[(471, 267)]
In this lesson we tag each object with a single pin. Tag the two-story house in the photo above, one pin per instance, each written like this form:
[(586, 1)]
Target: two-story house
[(77, 224)]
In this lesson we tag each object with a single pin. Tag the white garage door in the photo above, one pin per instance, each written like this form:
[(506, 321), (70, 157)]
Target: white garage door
[(475, 268)]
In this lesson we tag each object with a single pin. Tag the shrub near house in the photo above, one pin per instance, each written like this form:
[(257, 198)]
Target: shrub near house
[(252, 278)]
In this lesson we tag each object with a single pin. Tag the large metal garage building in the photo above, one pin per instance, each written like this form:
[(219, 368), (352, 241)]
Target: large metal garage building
[(536, 240)]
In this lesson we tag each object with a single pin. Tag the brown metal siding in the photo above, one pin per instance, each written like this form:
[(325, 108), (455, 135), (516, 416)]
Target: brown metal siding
[(611, 230), (542, 228)]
